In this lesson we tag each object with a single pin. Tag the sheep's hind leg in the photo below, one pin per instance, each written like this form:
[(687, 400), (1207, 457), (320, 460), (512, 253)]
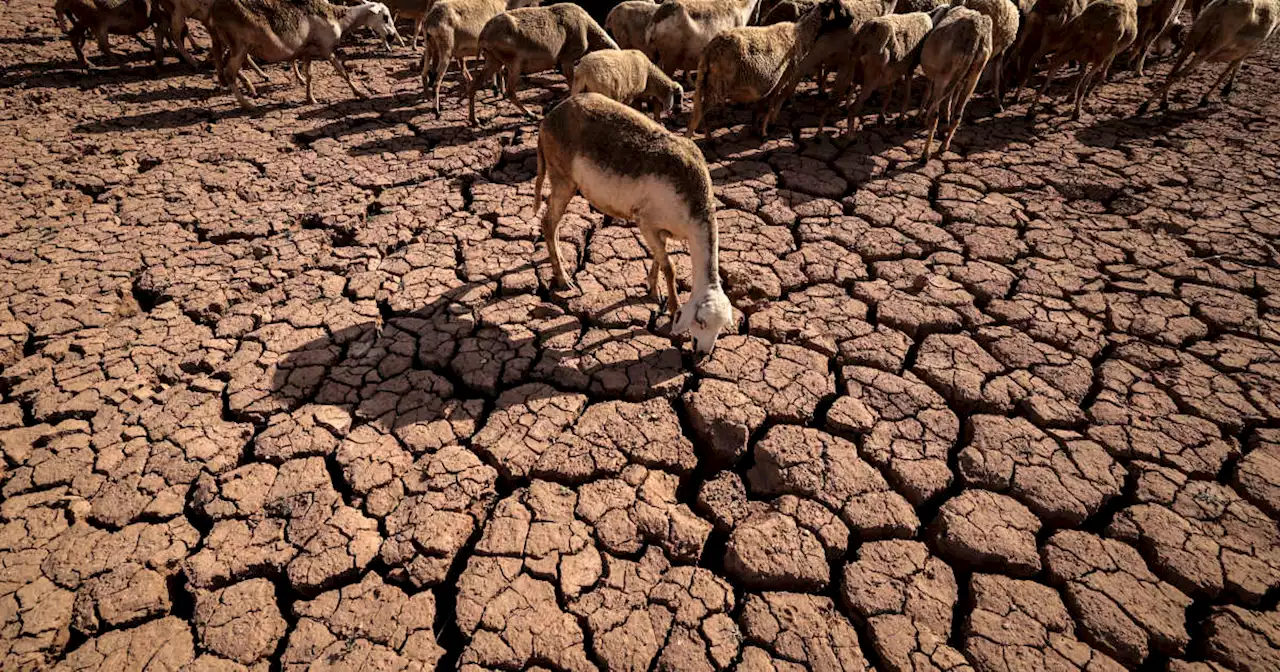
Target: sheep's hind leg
[(513, 84), (562, 191), (337, 65), (306, 77), (1231, 80), (1048, 79), (238, 55), (657, 243), (1229, 70), (1178, 72)]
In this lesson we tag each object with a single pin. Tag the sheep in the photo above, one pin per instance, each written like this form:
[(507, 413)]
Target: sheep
[(952, 58), (680, 29), (1102, 31), (107, 17), (1154, 20), (532, 39), (888, 50), (741, 65), (1226, 31), (1043, 27), (453, 32), (630, 167), (1005, 19), (629, 21), (913, 6), (284, 30), (411, 9), (831, 47), (626, 75)]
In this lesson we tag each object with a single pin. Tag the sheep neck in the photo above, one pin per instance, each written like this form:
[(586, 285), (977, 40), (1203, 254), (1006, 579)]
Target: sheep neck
[(704, 252), (354, 17)]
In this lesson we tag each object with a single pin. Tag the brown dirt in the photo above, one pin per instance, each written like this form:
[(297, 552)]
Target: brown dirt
[(292, 388)]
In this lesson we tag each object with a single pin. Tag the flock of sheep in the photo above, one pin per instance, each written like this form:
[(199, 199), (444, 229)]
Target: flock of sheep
[(633, 168)]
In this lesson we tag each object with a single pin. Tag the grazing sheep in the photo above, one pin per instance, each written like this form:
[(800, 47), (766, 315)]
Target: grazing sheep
[(830, 47), (953, 57), (628, 22), (1043, 26), (1102, 31), (285, 30), (1005, 19), (533, 39), (626, 75), (632, 168), (741, 65), (1154, 20), (453, 32), (1226, 31), (680, 29), (411, 9), (103, 18), (888, 51)]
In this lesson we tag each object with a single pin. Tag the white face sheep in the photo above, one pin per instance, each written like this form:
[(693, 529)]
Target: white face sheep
[(626, 75), (1101, 32), (953, 57), (284, 30), (533, 39), (680, 29), (630, 167), (1226, 31)]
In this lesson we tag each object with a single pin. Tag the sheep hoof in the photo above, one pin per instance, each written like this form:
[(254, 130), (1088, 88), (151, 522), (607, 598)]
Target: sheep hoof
[(1142, 109), (1204, 102)]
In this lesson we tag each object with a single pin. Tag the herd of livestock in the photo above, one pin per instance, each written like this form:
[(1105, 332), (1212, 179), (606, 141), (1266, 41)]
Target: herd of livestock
[(633, 168)]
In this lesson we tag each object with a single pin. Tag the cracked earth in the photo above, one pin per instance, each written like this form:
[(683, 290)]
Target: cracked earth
[(292, 391)]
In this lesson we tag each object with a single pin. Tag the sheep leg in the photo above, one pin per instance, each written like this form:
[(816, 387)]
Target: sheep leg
[(238, 55), (1026, 74), (513, 84), (998, 84), (178, 26), (699, 108), (958, 103), (337, 65), (884, 104), (306, 78), (1178, 72), (1231, 67), (931, 117), (1048, 79), (441, 63), (491, 66), (658, 246), (104, 43), (1231, 80), (906, 101), (77, 37), (1087, 73), (418, 27), (562, 191), (855, 111), (257, 70)]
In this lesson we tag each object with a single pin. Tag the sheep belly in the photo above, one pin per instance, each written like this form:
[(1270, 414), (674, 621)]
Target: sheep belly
[(642, 198)]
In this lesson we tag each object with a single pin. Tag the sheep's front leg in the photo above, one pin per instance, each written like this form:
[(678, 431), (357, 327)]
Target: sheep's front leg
[(513, 85), (561, 192), (658, 245), (306, 77), (337, 65)]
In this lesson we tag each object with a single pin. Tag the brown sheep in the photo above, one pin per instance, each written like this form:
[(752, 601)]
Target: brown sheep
[(1226, 31), (531, 39), (888, 52), (680, 29), (1105, 29), (628, 23), (953, 57), (1005, 19)]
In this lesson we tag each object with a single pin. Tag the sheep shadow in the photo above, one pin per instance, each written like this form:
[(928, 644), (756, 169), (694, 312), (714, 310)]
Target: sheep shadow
[(402, 371)]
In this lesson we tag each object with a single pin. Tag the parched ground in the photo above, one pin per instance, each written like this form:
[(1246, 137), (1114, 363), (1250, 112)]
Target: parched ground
[(291, 390)]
